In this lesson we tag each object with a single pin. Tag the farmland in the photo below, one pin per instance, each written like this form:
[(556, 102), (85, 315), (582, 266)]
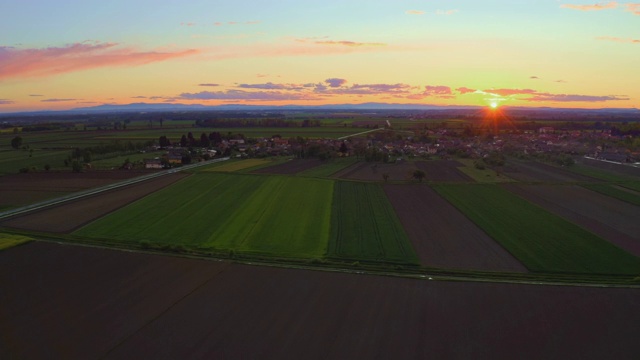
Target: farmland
[(170, 307), (365, 226), (558, 246), (228, 212)]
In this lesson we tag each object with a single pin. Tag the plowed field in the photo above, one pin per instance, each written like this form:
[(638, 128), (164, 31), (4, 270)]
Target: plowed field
[(614, 220), (443, 236), (80, 303)]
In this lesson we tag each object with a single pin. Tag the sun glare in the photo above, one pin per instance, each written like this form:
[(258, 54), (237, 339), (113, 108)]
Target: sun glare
[(494, 105)]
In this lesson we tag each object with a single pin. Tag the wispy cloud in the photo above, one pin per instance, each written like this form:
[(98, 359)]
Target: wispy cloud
[(208, 84), (414, 12), (35, 95), (6, 102), (509, 92), (248, 95), (446, 12), (619, 40), (633, 8), (58, 100), (188, 24), (593, 7), (272, 86), (349, 43), (540, 97), (534, 77), (18, 63), (438, 91)]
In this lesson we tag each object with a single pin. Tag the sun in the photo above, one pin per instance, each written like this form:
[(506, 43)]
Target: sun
[(494, 105)]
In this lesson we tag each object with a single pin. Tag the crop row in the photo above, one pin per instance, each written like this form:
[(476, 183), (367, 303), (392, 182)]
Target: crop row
[(540, 240)]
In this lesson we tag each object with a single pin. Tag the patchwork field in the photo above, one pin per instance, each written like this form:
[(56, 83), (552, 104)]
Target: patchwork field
[(281, 216), (529, 171), (443, 171), (69, 216), (371, 171), (329, 168), (540, 240), (443, 236), (365, 227), (611, 219), (131, 305)]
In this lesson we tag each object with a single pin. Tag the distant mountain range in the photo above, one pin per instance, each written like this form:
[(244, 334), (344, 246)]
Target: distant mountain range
[(370, 106)]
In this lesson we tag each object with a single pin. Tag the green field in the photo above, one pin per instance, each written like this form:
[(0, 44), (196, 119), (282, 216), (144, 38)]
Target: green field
[(329, 168), (365, 227), (542, 241), (486, 175), (616, 191), (278, 216)]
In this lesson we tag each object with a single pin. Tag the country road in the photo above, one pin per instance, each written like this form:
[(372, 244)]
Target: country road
[(93, 191)]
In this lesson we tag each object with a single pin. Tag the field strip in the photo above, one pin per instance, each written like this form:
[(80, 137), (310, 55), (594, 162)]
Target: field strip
[(85, 193), (421, 274)]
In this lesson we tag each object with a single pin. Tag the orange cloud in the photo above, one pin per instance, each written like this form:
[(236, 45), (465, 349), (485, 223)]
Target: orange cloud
[(18, 63), (508, 92), (348, 43), (594, 7), (617, 39), (633, 8)]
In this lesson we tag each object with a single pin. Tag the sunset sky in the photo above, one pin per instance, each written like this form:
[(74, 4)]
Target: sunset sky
[(76, 53)]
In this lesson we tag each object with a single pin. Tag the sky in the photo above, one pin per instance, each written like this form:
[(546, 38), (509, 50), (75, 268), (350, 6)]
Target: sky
[(64, 54)]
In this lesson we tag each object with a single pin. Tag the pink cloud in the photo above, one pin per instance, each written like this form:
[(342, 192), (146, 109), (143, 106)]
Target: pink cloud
[(335, 82), (465, 90), (594, 7), (16, 63), (508, 92), (349, 43), (273, 86), (633, 8), (6, 102), (438, 91), (619, 40)]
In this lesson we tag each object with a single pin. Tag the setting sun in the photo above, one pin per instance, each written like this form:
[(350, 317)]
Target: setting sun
[(494, 105)]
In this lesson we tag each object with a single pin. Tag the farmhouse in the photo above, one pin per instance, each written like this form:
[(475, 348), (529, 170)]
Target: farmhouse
[(152, 164)]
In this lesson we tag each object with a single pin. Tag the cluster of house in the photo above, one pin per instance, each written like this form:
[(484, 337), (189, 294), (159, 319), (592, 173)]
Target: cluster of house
[(441, 143)]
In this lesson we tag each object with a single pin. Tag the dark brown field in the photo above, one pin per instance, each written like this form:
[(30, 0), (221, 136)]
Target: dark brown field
[(78, 303), (71, 215), (290, 167), (540, 172), (371, 171), (443, 171), (616, 168), (21, 189), (442, 236), (612, 219)]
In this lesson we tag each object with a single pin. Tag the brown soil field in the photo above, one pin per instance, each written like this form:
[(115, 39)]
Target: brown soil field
[(372, 171), (290, 167), (22, 189), (614, 220), (78, 303), (539, 172), (444, 237), (71, 215), (443, 171)]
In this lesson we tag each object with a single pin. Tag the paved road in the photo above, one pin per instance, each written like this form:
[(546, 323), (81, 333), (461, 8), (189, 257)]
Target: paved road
[(89, 192)]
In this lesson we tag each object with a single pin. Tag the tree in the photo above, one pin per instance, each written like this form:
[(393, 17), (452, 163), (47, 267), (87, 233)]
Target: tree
[(16, 142), (164, 142), (183, 141), (343, 148), (419, 175), (76, 167), (204, 140)]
